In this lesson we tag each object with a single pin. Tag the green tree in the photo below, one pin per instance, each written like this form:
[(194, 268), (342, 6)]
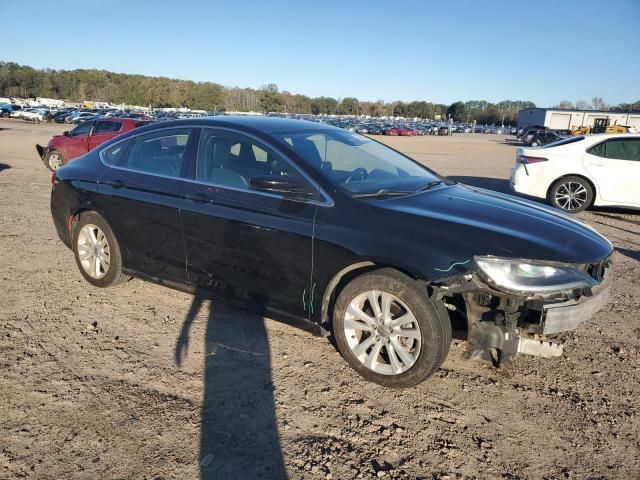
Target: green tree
[(270, 99), (457, 111)]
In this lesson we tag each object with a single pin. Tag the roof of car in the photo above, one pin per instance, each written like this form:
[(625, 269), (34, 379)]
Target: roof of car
[(604, 136), (258, 123)]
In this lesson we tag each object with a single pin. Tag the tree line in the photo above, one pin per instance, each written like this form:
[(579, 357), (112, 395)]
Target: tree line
[(598, 103), (121, 88)]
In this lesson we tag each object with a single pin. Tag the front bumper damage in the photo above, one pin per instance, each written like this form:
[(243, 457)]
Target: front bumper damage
[(500, 325)]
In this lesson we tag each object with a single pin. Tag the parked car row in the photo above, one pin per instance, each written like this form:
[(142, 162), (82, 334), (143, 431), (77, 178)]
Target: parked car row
[(401, 127)]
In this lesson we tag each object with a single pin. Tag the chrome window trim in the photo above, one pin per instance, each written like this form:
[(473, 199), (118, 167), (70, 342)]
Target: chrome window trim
[(327, 201)]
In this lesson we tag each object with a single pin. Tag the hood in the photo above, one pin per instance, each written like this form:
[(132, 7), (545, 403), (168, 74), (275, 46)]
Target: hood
[(465, 221)]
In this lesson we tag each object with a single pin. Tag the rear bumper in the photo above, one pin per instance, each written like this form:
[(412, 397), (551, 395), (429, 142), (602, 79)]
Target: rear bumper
[(60, 214), (567, 316), (521, 181), (42, 153)]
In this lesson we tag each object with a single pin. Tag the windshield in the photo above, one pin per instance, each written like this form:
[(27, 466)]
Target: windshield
[(358, 164)]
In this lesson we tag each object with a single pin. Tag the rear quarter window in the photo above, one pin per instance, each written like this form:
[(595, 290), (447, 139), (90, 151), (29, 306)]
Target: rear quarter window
[(115, 154)]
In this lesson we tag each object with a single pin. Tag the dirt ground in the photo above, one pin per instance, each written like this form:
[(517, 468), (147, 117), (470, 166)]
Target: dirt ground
[(143, 382)]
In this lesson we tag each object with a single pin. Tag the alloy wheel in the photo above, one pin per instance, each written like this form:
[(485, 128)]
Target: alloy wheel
[(55, 161), (382, 332), (93, 251), (571, 195)]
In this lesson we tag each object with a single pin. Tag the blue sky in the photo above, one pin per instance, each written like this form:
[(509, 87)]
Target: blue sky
[(440, 51)]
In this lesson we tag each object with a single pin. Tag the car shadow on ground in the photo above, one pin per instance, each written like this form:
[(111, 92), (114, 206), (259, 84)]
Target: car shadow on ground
[(4, 166), (238, 434), (633, 254)]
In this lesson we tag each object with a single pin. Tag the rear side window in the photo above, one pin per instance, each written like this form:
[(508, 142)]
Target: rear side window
[(618, 149), (160, 152), (107, 127), (623, 149)]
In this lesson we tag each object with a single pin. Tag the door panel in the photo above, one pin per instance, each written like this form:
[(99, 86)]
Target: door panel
[(615, 166), (104, 130), (245, 245), (78, 142), (141, 198)]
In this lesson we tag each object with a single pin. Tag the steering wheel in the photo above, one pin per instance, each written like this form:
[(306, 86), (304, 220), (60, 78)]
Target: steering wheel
[(362, 172)]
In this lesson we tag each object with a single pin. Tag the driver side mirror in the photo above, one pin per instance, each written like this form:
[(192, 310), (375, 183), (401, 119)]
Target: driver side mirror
[(285, 186), (66, 133)]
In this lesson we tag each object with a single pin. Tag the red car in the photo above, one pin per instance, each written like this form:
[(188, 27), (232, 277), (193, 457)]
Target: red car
[(392, 131), (406, 132), (86, 136)]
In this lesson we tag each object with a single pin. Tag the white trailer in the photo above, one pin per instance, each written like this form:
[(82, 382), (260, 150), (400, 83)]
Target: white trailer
[(558, 119)]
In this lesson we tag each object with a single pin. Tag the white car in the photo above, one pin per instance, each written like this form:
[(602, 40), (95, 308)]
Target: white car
[(35, 114), (578, 172)]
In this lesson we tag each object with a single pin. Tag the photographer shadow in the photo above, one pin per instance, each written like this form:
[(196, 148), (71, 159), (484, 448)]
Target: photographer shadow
[(239, 433)]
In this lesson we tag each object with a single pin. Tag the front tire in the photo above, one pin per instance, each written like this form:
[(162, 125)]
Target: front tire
[(571, 194), (97, 251), (54, 160), (389, 330)]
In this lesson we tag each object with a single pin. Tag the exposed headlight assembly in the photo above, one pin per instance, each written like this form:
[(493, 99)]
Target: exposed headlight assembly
[(523, 276)]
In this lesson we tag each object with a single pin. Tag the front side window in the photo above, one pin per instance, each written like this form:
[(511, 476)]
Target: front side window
[(82, 129), (356, 163), (160, 152), (107, 127), (232, 160)]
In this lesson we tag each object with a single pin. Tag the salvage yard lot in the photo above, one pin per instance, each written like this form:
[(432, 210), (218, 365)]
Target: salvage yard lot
[(141, 381)]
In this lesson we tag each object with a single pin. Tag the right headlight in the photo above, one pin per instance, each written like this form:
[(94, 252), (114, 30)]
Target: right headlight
[(525, 276)]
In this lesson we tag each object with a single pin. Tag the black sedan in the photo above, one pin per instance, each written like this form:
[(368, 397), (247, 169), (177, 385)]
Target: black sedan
[(545, 137), (312, 224)]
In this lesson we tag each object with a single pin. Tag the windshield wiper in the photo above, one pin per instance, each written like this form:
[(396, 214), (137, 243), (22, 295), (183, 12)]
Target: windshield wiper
[(429, 185), (383, 192), (389, 192)]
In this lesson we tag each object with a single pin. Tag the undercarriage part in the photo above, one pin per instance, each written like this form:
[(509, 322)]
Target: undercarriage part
[(486, 336), (539, 347)]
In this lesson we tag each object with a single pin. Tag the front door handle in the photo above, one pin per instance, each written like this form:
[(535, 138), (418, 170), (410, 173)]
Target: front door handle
[(197, 197), (117, 184)]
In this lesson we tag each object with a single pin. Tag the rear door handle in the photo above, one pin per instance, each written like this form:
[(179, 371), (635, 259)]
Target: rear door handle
[(117, 184), (197, 197)]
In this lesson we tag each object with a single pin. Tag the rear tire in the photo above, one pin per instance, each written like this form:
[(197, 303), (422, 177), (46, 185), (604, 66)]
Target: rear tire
[(97, 251), (571, 194), (398, 348)]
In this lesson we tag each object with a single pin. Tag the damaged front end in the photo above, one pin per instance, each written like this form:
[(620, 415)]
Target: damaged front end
[(510, 306), (42, 153)]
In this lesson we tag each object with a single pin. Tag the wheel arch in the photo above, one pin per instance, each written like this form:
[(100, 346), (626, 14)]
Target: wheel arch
[(579, 175), (343, 277)]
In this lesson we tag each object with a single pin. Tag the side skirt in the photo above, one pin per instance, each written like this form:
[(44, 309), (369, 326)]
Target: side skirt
[(274, 314)]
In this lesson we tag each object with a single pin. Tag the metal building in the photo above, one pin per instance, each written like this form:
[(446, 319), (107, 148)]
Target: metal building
[(558, 119)]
